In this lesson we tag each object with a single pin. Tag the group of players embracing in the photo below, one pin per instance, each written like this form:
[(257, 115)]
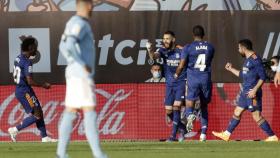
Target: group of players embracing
[(188, 80)]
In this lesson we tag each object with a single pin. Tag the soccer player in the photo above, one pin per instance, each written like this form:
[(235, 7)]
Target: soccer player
[(77, 47), (175, 89), (253, 76), (197, 58), (22, 74)]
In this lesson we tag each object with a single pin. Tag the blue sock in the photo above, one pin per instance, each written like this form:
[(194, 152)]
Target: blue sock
[(42, 127), (64, 133), (204, 120), (176, 120), (92, 133), (170, 116), (266, 128), (232, 125), (182, 128), (26, 122)]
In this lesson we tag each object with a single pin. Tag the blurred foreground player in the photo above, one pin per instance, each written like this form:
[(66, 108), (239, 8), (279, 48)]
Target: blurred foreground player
[(77, 47), (253, 76), (175, 89), (197, 58), (22, 74)]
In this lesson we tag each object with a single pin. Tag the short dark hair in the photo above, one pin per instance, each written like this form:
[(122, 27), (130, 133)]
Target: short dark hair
[(169, 33), (276, 57), (27, 42), (246, 43), (156, 64), (198, 31)]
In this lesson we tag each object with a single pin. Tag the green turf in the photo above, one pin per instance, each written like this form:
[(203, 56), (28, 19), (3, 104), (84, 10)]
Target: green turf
[(192, 149)]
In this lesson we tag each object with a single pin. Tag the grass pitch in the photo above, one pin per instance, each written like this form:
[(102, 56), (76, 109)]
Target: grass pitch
[(190, 149)]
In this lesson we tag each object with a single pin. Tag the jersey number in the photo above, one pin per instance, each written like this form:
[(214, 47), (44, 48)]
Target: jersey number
[(16, 74), (200, 62)]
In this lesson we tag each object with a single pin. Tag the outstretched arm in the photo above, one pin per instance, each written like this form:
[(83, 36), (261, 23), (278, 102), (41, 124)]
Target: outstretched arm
[(31, 82), (152, 54), (232, 70)]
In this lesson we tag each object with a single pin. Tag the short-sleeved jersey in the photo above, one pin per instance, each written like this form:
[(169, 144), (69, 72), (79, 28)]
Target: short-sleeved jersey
[(171, 60), (22, 69), (252, 72), (198, 56), (77, 46)]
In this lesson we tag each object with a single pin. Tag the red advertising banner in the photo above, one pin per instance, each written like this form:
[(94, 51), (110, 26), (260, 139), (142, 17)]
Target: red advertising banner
[(136, 112)]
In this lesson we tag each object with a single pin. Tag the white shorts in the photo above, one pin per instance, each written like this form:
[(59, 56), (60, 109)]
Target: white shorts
[(80, 93)]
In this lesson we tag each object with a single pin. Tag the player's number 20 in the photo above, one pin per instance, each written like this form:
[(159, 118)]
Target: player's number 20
[(16, 74), (200, 62)]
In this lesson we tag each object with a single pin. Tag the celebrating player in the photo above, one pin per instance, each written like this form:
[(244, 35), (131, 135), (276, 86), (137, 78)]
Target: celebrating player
[(253, 76), (175, 89), (197, 58), (22, 74), (77, 47)]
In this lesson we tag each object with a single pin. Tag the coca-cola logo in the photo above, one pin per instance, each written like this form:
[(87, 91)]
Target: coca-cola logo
[(110, 119)]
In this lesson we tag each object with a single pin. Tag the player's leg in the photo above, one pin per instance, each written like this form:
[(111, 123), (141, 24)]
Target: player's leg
[(204, 122), (257, 116), (169, 101), (205, 99), (40, 123), (91, 130), (64, 131), (238, 111), (90, 117), (192, 95), (72, 104), (26, 101), (177, 124), (178, 103), (264, 125), (234, 122)]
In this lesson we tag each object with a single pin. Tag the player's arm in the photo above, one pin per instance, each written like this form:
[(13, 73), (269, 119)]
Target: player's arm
[(152, 54), (182, 63), (277, 77), (180, 68), (232, 69), (261, 73), (29, 78), (70, 47), (31, 82)]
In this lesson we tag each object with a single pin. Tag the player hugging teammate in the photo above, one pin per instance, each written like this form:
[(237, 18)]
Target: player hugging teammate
[(193, 63)]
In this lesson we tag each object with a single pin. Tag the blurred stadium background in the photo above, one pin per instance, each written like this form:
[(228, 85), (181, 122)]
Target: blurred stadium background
[(129, 109)]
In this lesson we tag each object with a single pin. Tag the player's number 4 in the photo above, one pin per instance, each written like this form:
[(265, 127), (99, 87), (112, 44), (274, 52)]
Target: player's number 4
[(16, 74), (200, 62)]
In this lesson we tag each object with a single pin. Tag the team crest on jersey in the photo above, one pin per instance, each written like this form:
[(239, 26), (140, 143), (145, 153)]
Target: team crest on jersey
[(245, 70), (76, 29)]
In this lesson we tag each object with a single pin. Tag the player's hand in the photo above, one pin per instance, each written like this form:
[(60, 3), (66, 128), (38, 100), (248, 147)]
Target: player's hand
[(46, 85), (149, 46), (228, 66), (277, 79), (252, 93)]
